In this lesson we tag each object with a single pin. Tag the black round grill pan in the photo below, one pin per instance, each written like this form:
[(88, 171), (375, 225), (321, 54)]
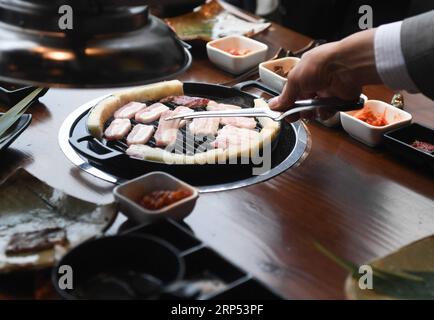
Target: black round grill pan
[(111, 158)]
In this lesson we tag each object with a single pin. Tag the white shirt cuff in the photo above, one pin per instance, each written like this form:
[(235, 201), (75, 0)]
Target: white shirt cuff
[(389, 58)]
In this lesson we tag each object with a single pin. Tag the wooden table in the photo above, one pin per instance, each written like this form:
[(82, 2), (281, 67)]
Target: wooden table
[(359, 202)]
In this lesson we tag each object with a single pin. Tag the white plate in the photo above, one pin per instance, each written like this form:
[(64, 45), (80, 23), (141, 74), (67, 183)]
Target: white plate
[(218, 55)]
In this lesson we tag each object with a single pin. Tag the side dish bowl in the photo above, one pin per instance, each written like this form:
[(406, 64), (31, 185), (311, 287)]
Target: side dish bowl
[(269, 76), (219, 53), (369, 134), (401, 142), (128, 196)]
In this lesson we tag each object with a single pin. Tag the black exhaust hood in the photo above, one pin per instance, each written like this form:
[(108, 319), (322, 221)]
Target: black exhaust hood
[(112, 43)]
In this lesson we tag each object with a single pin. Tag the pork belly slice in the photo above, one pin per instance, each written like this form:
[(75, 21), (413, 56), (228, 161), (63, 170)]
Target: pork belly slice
[(231, 136), (167, 130), (129, 110), (214, 106), (118, 129), (137, 151), (186, 101), (151, 113), (204, 126), (240, 122), (140, 134)]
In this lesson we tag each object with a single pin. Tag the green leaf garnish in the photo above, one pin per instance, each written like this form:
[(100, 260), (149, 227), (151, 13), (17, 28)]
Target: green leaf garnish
[(397, 284)]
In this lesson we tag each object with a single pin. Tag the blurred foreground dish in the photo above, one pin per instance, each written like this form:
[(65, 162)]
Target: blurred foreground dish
[(38, 223), (212, 21)]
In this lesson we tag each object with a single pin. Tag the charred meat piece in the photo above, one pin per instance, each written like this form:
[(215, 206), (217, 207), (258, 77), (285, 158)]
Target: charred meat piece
[(204, 126), (140, 134), (240, 122), (129, 110), (118, 129), (167, 130), (151, 113), (35, 241), (186, 101), (230, 136)]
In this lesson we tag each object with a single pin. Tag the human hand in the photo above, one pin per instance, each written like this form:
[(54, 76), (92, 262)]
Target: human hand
[(337, 69)]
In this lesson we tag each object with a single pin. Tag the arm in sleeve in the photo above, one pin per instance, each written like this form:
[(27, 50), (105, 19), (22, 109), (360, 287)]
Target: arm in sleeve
[(389, 58), (417, 41)]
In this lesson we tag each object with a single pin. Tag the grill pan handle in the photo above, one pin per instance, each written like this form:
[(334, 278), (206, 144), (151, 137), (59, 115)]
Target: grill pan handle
[(255, 84), (77, 143)]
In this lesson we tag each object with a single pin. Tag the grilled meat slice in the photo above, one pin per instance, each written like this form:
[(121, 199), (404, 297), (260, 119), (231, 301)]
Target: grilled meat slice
[(186, 101), (151, 113), (231, 136), (118, 129), (214, 106), (129, 110), (167, 130), (204, 126), (140, 134), (240, 122)]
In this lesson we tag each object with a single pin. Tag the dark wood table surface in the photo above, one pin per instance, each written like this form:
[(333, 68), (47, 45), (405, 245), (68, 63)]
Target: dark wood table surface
[(359, 202)]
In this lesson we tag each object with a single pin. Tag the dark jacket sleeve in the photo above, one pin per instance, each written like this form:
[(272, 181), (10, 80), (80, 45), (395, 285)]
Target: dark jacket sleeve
[(417, 41)]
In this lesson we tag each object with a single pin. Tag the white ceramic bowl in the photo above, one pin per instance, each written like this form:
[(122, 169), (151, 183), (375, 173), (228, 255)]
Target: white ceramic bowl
[(372, 135), (232, 63), (128, 194), (271, 78)]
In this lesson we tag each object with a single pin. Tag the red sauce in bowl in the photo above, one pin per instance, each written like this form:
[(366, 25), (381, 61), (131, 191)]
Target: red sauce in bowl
[(377, 120), (164, 198)]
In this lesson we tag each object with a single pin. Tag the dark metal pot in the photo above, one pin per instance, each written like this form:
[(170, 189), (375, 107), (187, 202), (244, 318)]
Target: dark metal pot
[(110, 44)]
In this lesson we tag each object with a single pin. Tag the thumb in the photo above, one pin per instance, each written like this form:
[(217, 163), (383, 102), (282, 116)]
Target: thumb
[(287, 98)]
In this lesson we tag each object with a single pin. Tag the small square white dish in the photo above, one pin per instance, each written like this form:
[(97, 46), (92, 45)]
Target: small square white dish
[(270, 77), (129, 194), (369, 134), (218, 53)]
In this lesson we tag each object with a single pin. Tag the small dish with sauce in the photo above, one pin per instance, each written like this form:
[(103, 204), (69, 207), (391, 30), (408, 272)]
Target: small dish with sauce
[(236, 54), (274, 73), (154, 196), (368, 125)]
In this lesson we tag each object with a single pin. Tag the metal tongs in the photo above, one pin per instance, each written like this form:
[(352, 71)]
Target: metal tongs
[(329, 104)]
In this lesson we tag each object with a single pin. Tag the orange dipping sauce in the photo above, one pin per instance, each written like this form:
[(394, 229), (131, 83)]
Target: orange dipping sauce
[(374, 119)]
